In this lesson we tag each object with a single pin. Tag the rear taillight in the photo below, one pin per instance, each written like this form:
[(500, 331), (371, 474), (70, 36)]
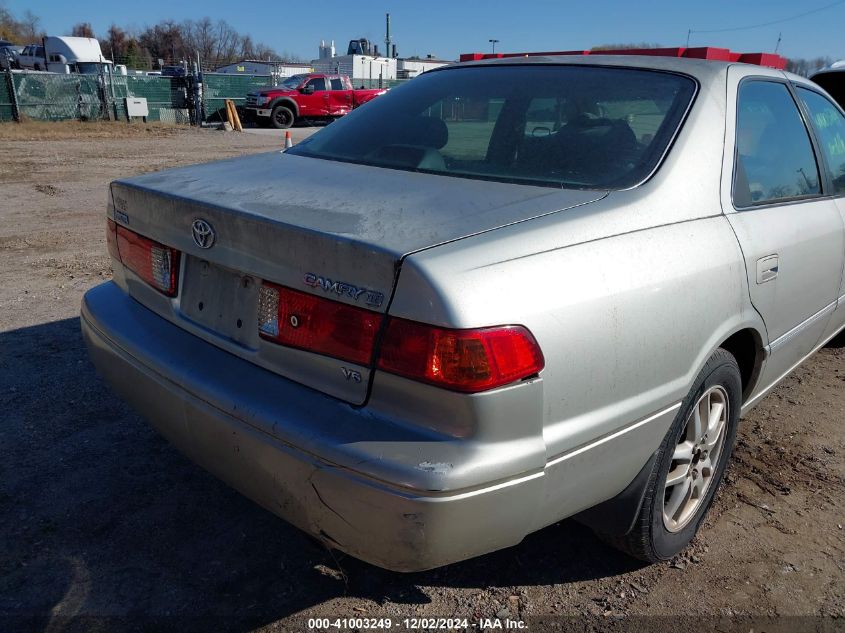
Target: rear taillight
[(461, 360), (111, 239), (155, 263), (468, 361), (297, 319)]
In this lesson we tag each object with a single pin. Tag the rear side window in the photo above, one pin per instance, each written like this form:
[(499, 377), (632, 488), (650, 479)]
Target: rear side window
[(584, 127), (830, 128), (337, 83), (774, 157)]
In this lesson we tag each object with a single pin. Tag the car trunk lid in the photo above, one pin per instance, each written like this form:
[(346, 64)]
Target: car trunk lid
[(331, 229)]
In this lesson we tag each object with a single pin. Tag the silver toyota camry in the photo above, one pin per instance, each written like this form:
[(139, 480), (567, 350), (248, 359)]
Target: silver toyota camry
[(502, 294)]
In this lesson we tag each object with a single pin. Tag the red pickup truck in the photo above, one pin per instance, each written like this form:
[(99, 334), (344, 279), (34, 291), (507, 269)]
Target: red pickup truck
[(311, 96)]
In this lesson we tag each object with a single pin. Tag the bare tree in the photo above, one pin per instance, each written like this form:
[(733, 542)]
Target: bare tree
[(228, 43), (83, 29), (216, 43), (115, 42), (247, 48), (806, 67), (200, 37), (31, 27)]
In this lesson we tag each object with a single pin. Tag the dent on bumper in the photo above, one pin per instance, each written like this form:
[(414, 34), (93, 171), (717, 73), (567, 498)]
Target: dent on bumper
[(207, 403)]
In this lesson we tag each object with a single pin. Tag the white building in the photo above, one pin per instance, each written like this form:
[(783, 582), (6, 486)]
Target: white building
[(368, 69), (410, 68), (279, 70), (359, 67)]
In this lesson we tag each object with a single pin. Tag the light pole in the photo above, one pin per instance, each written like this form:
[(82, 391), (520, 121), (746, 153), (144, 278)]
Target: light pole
[(493, 42)]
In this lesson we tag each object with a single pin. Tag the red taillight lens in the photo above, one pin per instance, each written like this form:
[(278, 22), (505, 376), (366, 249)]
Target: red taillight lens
[(301, 320), (111, 239), (462, 360), (155, 263)]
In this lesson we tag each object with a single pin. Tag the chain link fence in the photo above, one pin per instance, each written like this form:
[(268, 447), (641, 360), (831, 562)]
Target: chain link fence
[(52, 97), (8, 111), (217, 87), (60, 97), (57, 97), (167, 97)]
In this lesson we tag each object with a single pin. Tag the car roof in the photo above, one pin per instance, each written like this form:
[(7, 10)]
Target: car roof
[(699, 68)]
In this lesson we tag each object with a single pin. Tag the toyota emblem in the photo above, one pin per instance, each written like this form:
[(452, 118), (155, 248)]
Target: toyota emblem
[(203, 233)]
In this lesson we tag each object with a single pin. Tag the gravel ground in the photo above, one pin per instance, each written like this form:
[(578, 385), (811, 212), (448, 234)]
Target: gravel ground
[(105, 526)]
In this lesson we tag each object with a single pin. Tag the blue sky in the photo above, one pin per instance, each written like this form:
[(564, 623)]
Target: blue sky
[(448, 28)]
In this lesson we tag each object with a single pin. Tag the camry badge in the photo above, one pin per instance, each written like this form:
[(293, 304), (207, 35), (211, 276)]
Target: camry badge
[(203, 233), (372, 298)]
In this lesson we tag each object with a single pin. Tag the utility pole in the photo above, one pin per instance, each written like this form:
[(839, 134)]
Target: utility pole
[(493, 42)]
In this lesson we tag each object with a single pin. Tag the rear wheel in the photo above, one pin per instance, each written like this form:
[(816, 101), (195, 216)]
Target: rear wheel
[(690, 464), (281, 117)]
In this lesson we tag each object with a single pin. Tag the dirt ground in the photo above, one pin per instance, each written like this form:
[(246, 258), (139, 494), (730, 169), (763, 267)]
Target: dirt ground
[(104, 526)]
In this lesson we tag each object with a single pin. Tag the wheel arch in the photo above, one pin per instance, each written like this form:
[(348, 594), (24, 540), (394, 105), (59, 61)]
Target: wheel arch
[(747, 347), (285, 101), (615, 517)]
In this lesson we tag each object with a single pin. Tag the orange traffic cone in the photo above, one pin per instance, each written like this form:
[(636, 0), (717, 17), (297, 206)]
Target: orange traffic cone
[(288, 140)]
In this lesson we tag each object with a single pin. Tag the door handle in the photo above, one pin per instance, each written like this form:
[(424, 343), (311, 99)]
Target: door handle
[(767, 268)]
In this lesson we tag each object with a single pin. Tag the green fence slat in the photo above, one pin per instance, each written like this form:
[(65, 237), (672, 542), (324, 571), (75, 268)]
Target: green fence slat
[(166, 97), (217, 87), (6, 107)]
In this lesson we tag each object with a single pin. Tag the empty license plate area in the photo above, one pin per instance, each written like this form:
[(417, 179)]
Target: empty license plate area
[(221, 300)]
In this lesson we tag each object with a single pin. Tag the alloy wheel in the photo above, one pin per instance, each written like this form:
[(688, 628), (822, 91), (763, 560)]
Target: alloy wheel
[(695, 459)]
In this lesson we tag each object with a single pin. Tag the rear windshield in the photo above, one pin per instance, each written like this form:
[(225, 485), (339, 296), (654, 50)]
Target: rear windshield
[(582, 127)]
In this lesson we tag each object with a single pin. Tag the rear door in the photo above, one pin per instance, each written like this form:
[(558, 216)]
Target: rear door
[(828, 122), (789, 228), (340, 99)]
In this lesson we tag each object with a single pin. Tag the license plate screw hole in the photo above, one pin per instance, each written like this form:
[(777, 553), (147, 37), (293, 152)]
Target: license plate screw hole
[(239, 323), (201, 306)]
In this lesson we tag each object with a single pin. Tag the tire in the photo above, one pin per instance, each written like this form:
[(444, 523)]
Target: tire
[(656, 537), (282, 117)]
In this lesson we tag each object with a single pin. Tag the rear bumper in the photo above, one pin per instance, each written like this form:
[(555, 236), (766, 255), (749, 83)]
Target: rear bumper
[(223, 412)]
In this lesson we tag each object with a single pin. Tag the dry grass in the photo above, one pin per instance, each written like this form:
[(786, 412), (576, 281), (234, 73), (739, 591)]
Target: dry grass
[(50, 130)]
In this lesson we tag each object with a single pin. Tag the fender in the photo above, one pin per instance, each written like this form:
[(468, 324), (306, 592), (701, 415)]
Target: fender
[(284, 101)]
